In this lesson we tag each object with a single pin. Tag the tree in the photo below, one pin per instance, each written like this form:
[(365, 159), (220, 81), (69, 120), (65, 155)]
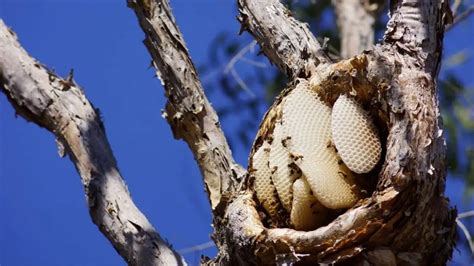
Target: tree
[(403, 67)]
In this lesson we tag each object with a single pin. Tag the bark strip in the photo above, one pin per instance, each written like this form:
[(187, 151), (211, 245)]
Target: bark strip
[(60, 106), (286, 42), (188, 111)]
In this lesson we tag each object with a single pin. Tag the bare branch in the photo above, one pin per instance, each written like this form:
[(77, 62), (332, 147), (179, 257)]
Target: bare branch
[(464, 15), (239, 55), (467, 234), (60, 106), (287, 42), (230, 67), (464, 228), (203, 246), (188, 111), (355, 20), (455, 6), (463, 215), (241, 83)]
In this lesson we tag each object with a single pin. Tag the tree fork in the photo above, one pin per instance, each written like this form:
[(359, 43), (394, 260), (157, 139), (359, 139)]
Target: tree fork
[(407, 219)]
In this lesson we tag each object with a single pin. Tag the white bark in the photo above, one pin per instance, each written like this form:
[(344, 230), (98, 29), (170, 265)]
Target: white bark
[(188, 111), (286, 42), (61, 107)]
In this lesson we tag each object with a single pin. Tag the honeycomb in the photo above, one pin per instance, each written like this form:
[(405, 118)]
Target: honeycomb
[(305, 131), (307, 213), (279, 159), (263, 184), (354, 135), (308, 121), (331, 185)]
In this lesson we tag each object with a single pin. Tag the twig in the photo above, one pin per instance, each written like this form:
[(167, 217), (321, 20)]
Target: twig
[(455, 6), (467, 234), (229, 67), (249, 47), (236, 58), (465, 214), (253, 62), (464, 15), (199, 247), (241, 83)]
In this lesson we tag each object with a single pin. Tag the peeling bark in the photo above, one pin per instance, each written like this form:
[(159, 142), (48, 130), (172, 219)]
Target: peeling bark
[(60, 106), (188, 111), (406, 220), (286, 42)]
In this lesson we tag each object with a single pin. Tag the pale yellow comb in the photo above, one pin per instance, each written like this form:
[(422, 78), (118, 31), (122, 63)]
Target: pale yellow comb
[(307, 120), (355, 135), (306, 213), (305, 131), (279, 159), (264, 188)]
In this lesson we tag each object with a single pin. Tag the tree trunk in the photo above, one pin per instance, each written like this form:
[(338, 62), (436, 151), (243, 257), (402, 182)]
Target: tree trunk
[(406, 219)]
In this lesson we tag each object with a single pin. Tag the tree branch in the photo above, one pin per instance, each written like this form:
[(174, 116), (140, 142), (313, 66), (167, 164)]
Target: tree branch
[(188, 111), (355, 20), (286, 42), (416, 31), (60, 106), (458, 18)]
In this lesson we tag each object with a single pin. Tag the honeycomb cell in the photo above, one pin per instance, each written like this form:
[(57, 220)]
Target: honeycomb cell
[(306, 213), (332, 184), (307, 120), (279, 160), (355, 135), (263, 184)]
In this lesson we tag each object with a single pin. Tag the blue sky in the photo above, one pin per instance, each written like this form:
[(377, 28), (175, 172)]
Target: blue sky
[(44, 219)]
